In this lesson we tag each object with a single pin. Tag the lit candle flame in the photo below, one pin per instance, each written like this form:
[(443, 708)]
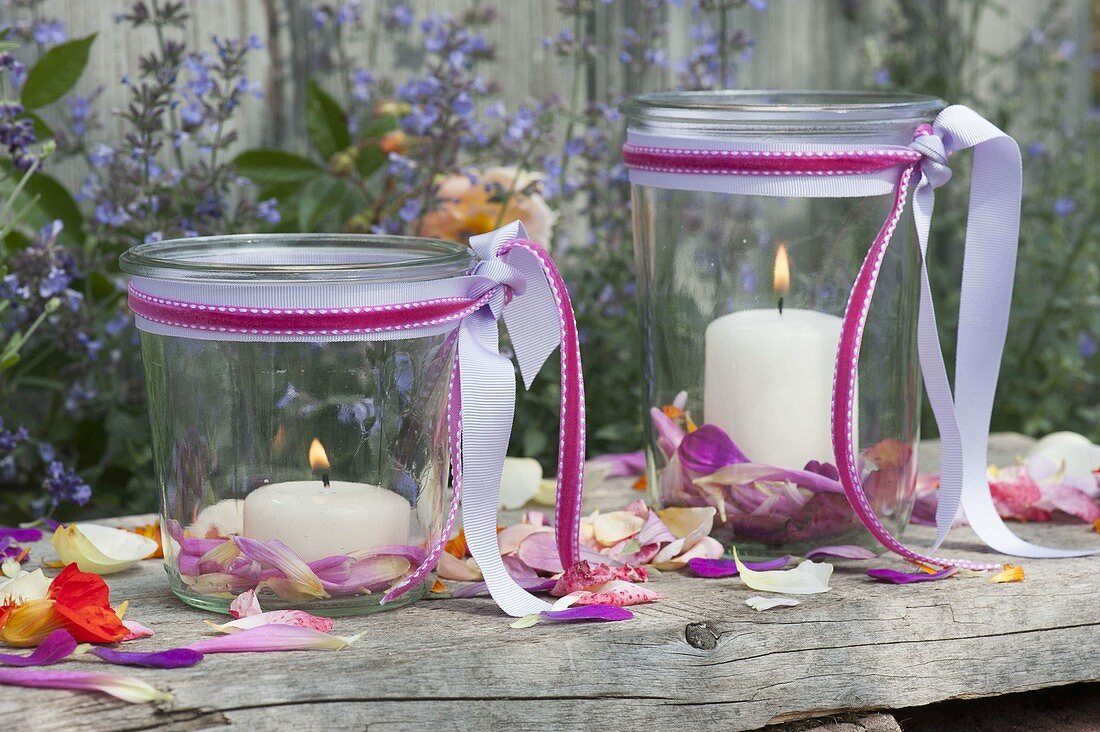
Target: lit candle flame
[(318, 458), (782, 279)]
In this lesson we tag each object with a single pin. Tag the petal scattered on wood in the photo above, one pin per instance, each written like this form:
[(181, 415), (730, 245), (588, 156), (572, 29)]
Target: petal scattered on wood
[(618, 593), (274, 638), (713, 568), (121, 687), (172, 658), (100, 549), (807, 578), (759, 604), (897, 577), (245, 605), (298, 618), (452, 568), (1011, 573)]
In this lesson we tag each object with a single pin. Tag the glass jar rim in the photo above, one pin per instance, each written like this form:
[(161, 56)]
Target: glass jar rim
[(753, 108), (299, 257)]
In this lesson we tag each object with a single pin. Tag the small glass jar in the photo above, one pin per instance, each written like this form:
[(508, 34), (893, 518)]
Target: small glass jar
[(323, 450), (741, 295)]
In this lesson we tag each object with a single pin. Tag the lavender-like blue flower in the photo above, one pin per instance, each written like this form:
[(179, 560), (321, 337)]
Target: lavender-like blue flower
[(48, 32), (268, 210), (1087, 345), (10, 440), (63, 485), (400, 15), (410, 210), (1065, 206)]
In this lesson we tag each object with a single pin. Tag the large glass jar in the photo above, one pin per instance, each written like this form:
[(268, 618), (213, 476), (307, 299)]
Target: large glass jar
[(741, 288), (277, 451)]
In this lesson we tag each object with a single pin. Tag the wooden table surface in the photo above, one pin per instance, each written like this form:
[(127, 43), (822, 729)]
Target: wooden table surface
[(455, 664)]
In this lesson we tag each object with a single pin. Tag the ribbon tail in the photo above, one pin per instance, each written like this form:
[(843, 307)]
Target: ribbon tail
[(488, 393), (989, 263)]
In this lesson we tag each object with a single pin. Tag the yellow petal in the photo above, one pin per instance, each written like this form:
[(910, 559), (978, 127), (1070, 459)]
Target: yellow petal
[(100, 549), (611, 528), (1010, 574), (519, 482), (808, 578), (547, 494), (29, 623), (683, 522)]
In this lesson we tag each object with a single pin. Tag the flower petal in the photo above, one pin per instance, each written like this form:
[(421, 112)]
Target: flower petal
[(897, 577), (519, 482), (245, 605), (302, 579), (511, 537), (365, 575), (747, 473), (707, 449), (618, 593), (298, 618), (808, 578), (728, 568), (587, 612), (19, 534), (842, 551), (611, 528), (1010, 574), (540, 552), (135, 630), (121, 687), (760, 604), (100, 549), (584, 576), (620, 465), (172, 658), (274, 638), (453, 568), (685, 522), (55, 647), (669, 434), (25, 586)]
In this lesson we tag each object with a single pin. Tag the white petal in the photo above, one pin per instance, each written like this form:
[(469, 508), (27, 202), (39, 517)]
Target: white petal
[(100, 549), (758, 603), (808, 578), (611, 528), (519, 482), (223, 519), (27, 586), (685, 522)]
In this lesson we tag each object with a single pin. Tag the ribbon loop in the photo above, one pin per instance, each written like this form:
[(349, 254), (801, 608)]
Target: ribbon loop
[(934, 157)]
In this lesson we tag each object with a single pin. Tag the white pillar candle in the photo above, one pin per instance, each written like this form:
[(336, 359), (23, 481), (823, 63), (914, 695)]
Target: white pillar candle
[(769, 383), (318, 521)]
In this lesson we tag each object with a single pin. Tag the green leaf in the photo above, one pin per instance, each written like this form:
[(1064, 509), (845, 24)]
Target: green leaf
[(319, 196), (273, 167), (371, 157), (54, 202), (326, 123), (56, 72)]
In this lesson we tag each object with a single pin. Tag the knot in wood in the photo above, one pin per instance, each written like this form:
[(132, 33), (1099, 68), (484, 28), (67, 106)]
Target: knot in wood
[(701, 636)]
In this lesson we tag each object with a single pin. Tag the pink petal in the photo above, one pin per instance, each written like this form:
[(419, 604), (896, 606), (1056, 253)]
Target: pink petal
[(534, 518), (512, 536), (842, 551), (245, 605), (365, 575), (517, 568), (620, 465), (135, 630), (172, 658), (585, 576), (531, 584), (1069, 499), (121, 687), (298, 618), (274, 553), (669, 434), (273, 638), (618, 593), (540, 551)]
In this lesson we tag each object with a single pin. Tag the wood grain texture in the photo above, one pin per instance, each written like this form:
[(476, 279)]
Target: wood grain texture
[(457, 664)]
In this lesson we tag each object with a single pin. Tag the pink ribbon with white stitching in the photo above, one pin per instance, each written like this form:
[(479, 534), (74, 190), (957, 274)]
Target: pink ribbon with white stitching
[(837, 170), (515, 280)]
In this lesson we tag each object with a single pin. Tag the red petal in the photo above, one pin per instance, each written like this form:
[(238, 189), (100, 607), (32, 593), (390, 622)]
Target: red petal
[(75, 589), (92, 624)]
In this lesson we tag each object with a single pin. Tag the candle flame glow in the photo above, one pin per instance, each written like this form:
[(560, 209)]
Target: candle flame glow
[(318, 458), (782, 280)]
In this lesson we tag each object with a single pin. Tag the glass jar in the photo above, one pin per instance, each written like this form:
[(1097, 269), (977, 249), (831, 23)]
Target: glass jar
[(327, 450), (741, 289)]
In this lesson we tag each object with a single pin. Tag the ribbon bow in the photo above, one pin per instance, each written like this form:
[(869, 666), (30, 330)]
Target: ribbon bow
[(528, 293)]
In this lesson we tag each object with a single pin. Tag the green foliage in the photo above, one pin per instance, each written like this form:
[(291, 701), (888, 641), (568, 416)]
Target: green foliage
[(56, 72)]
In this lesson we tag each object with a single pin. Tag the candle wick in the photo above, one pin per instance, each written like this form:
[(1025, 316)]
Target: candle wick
[(780, 304), (324, 479)]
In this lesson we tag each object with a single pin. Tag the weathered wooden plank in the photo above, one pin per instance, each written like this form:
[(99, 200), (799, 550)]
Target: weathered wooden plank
[(861, 646)]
